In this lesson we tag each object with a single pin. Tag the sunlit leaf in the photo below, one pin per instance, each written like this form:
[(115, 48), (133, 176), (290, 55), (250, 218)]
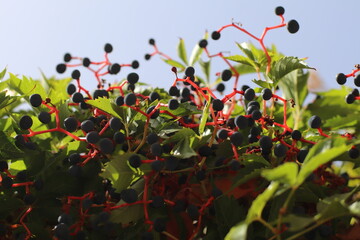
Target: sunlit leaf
[(284, 66), (196, 52), (204, 117), (205, 67), (321, 153), (285, 173), (182, 51), (174, 63)]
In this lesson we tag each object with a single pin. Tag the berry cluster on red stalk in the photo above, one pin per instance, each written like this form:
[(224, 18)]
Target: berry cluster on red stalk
[(171, 183), (292, 26), (341, 80)]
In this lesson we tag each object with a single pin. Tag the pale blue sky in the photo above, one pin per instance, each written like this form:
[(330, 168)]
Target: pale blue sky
[(35, 34)]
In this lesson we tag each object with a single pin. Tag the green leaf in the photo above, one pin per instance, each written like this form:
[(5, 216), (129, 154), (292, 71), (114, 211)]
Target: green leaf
[(230, 212), (247, 49), (164, 128), (294, 86), (342, 198), (205, 67), (184, 109), (5, 100), (332, 103), (296, 223), (196, 52), (259, 203), (26, 86), (254, 57), (240, 231), (341, 122), (333, 210), (255, 158), (17, 166), (321, 153), (8, 149), (204, 117), (129, 214), (73, 147), (354, 208), (174, 63), (244, 60), (284, 66), (105, 105), (57, 89), (2, 73), (183, 149), (336, 206), (285, 173), (180, 135), (5, 124), (182, 51), (261, 83), (119, 172), (243, 69)]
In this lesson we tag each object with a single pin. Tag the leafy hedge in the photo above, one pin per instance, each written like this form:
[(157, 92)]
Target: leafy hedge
[(197, 161)]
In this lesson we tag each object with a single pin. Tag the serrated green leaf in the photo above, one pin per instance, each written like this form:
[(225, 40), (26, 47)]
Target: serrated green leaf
[(244, 60), (174, 63), (180, 135), (247, 50), (54, 85), (26, 86), (105, 105), (184, 109), (8, 149), (8, 100), (230, 212), (182, 51), (333, 103), (119, 172), (285, 173), (294, 86), (284, 66), (183, 149)]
